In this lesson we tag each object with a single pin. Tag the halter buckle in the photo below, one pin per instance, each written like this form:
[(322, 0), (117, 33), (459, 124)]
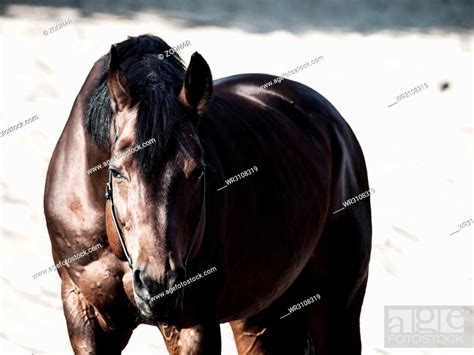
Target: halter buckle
[(108, 191)]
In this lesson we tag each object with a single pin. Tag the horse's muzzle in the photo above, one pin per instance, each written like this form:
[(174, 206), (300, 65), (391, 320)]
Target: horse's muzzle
[(159, 301)]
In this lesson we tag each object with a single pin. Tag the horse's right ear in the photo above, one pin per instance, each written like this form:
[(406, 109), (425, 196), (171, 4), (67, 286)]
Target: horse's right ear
[(197, 85), (119, 92)]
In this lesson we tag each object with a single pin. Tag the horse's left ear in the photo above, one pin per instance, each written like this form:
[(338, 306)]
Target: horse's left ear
[(197, 85)]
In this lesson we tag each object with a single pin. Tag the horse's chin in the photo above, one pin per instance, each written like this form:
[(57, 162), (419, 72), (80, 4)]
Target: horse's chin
[(166, 311), (160, 319)]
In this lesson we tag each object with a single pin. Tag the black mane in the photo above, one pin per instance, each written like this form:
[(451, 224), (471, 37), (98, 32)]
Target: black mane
[(153, 82)]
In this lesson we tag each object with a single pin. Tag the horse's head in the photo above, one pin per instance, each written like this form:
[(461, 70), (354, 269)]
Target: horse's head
[(159, 190)]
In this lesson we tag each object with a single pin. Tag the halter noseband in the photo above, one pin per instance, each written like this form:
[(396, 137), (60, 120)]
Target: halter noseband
[(200, 219)]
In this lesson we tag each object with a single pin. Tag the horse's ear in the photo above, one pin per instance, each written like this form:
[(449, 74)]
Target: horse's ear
[(197, 85), (119, 92)]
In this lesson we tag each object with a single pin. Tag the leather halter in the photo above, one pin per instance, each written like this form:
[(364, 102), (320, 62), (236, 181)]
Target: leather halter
[(198, 224)]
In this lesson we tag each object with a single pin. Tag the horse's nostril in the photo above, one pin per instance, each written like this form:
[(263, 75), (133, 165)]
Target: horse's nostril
[(180, 273), (176, 275), (137, 281), (146, 287), (140, 282)]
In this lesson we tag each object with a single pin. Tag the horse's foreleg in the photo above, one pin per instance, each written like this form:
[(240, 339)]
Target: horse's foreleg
[(171, 337), (269, 332), (86, 333), (201, 340), (335, 325), (339, 270), (198, 340)]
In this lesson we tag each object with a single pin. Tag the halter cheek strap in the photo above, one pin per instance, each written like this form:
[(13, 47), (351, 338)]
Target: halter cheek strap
[(198, 224), (110, 197)]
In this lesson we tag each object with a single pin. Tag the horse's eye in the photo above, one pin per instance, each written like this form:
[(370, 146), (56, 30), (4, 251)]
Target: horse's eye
[(116, 174)]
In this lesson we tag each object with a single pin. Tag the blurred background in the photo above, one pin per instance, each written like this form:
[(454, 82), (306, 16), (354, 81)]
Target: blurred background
[(419, 151)]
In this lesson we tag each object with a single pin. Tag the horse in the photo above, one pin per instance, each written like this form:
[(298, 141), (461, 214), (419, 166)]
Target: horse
[(272, 237)]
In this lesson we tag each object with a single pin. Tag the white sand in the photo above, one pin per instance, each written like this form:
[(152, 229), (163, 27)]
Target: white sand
[(419, 154)]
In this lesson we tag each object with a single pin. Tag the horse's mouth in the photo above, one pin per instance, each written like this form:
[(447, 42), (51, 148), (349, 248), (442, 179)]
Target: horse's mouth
[(166, 310)]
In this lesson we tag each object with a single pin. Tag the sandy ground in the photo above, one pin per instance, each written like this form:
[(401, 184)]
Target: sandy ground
[(419, 153)]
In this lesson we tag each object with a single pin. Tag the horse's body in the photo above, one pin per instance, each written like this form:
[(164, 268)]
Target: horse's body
[(272, 236)]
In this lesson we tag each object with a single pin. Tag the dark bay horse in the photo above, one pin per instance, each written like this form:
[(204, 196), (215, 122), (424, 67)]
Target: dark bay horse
[(272, 237)]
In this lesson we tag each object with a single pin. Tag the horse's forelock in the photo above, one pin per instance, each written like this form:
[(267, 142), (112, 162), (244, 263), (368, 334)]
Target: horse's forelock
[(155, 82)]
